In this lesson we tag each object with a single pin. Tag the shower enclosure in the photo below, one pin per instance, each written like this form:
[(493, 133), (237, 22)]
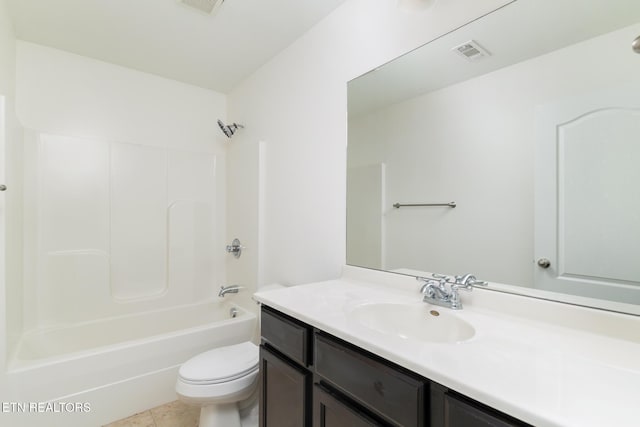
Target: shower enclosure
[(115, 212), (119, 272)]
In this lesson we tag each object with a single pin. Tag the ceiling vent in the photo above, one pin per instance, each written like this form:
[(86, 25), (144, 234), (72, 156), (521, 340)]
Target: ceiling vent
[(471, 50), (206, 6)]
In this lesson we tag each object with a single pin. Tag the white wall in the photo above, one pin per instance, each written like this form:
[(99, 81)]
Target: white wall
[(100, 136), (297, 104), (485, 167), (366, 203), (72, 95), (244, 194)]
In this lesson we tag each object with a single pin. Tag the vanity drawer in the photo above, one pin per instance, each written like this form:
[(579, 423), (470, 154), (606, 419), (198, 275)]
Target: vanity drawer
[(290, 336), (386, 390), (461, 412)]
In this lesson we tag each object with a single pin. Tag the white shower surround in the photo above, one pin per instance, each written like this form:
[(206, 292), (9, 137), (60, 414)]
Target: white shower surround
[(116, 228), (132, 335), (119, 135)]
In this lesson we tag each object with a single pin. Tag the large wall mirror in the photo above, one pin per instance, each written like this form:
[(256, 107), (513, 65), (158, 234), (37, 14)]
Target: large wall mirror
[(523, 129)]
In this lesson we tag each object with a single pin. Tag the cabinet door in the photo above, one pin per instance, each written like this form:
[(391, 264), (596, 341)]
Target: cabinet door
[(285, 392), (461, 413), (329, 411)]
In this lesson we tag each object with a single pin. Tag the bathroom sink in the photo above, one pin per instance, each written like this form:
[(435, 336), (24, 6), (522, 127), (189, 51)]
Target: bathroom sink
[(415, 322)]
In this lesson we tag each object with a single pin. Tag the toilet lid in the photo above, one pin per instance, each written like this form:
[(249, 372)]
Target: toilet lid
[(221, 364)]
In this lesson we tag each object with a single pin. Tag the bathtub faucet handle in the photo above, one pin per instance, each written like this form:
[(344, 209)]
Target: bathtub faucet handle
[(231, 289), (235, 248)]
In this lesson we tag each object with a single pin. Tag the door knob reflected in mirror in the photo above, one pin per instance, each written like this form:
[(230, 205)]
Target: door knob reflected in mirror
[(636, 45), (544, 263)]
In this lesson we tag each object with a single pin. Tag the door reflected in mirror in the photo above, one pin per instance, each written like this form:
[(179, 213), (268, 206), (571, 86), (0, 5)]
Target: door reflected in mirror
[(537, 142)]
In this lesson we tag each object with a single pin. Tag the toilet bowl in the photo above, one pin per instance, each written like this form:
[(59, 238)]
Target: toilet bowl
[(218, 381)]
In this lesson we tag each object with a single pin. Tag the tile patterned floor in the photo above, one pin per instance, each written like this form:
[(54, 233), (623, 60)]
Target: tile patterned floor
[(173, 414)]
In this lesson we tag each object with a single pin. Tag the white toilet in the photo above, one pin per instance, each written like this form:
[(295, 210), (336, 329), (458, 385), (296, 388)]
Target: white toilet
[(219, 381)]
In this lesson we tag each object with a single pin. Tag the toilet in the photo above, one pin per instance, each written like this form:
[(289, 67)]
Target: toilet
[(220, 382)]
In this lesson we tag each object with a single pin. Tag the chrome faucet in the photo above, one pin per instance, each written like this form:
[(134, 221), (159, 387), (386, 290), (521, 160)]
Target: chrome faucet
[(463, 280), (440, 290), (231, 289)]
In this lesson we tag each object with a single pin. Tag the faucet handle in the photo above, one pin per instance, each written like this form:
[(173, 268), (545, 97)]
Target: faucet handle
[(463, 279), (442, 280), (476, 282), (441, 277), (235, 248), (455, 287), (467, 282), (425, 283)]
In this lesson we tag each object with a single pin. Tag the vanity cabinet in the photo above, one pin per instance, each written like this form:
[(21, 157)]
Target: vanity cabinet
[(313, 379), (285, 398), (285, 391)]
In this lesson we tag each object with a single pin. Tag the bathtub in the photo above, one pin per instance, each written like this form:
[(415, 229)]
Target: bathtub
[(124, 364)]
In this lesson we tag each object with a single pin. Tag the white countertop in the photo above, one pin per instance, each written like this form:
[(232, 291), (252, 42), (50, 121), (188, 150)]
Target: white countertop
[(545, 363)]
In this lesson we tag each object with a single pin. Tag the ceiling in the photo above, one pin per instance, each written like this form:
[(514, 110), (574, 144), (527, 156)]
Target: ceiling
[(169, 39)]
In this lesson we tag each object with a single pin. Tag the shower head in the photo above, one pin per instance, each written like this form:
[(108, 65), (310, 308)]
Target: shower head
[(230, 129)]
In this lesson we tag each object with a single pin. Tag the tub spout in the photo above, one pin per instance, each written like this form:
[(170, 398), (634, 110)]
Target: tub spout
[(231, 289)]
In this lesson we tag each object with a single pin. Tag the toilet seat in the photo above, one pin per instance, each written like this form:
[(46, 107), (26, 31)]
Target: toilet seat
[(219, 380), (220, 365)]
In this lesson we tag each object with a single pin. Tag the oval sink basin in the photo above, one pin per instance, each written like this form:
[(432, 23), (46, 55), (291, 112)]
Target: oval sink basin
[(416, 322)]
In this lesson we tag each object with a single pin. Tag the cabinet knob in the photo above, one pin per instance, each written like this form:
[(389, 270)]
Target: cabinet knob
[(3, 187)]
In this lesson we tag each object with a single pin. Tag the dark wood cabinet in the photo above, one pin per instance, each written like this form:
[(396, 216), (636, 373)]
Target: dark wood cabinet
[(290, 336), (462, 412), (285, 392), (329, 410), (313, 379)]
